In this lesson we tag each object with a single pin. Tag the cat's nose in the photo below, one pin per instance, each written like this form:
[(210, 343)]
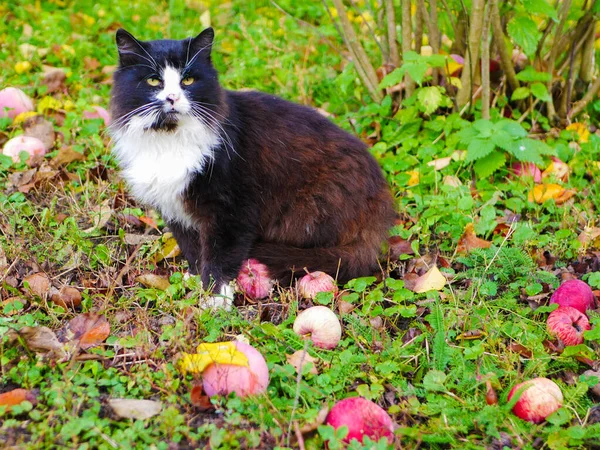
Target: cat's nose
[(172, 98)]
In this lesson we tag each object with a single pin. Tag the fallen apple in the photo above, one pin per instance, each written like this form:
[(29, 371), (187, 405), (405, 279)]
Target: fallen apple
[(321, 325), (30, 145), (313, 283), (539, 398), (363, 418), (574, 293), (223, 379), (568, 324), (13, 102), (521, 170), (253, 280), (98, 113)]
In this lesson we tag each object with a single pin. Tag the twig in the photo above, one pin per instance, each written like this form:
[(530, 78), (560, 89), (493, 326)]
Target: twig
[(588, 97), (587, 55), (299, 436), (370, 29), (297, 394), (505, 58), (7, 271), (464, 95)]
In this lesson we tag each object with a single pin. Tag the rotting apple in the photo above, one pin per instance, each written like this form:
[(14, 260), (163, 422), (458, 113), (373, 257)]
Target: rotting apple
[(321, 325), (14, 101), (539, 398), (33, 146), (314, 282), (253, 280), (568, 324)]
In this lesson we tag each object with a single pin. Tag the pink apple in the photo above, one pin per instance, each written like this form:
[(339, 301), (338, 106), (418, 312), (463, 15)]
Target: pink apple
[(574, 293), (363, 418), (568, 324), (313, 283), (521, 169), (13, 102), (98, 113), (253, 279), (540, 398), (33, 146), (222, 379)]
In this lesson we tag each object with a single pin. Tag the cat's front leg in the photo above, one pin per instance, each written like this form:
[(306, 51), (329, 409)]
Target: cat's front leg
[(190, 244), (225, 247)]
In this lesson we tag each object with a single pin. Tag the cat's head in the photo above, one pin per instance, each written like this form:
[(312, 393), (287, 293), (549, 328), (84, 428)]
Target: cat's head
[(160, 84)]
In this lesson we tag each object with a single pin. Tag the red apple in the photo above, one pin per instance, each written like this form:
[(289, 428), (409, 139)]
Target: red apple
[(222, 379), (363, 418), (313, 283), (568, 324), (540, 398), (574, 293), (253, 279)]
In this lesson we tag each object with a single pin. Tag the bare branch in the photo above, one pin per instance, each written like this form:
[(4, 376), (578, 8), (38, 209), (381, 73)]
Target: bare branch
[(588, 54), (505, 57), (587, 98), (485, 64), (564, 12), (464, 95), (409, 84), (391, 29)]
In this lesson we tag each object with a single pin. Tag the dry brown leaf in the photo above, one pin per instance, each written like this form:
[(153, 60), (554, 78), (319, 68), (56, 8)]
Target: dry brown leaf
[(55, 79), (149, 221), (134, 408), (590, 237), (90, 63), (67, 155), (432, 280), (440, 163), (199, 399), (18, 179), (169, 249), (544, 192), (319, 420), (100, 215), (152, 281), (39, 340), (452, 180), (37, 284), (468, 241), (40, 128), (300, 358), (557, 168), (15, 397), (521, 350), (399, 246), (137, 239), (345, 307), (67, 297), (87, 330)]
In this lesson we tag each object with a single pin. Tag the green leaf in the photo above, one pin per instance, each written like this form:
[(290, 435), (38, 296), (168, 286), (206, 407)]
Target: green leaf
[(467, 134), (484, 127), (502, 139), (417, 71), (525, 33), (434, 380), (530, 75), (430, 98), (511, 127), (540, 91), (523, 150), (540, 8), (392, 78), (520, 93), (488, 165), (478, 148)]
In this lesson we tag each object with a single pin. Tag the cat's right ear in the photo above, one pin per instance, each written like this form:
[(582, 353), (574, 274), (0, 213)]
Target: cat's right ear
[(128, 46), (201, 45)]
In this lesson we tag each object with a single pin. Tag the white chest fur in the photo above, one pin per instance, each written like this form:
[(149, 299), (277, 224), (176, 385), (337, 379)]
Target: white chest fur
[(158, 165)]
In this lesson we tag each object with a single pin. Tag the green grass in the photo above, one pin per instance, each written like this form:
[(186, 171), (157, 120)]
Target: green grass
[(424, 357)]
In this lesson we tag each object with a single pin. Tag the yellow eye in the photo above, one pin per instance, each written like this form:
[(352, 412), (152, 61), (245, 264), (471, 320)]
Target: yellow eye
[(187, 81), (153, 81)]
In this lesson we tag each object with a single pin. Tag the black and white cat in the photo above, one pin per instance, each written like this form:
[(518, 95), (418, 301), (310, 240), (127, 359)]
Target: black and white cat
[(240, 175)]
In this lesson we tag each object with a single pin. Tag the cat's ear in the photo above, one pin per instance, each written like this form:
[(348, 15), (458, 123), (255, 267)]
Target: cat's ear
[(128, 46), (201, 45)]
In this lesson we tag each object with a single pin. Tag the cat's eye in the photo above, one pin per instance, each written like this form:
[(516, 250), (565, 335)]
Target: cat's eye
[(153, 81), (187, 81)]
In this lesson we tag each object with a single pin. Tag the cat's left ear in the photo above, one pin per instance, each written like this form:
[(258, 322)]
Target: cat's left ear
[(201, 45)]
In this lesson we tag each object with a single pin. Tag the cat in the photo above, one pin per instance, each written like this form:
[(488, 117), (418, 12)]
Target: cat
[(239, 175)]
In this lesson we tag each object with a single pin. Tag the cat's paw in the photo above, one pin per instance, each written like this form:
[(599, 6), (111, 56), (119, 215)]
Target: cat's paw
[(224, 299)]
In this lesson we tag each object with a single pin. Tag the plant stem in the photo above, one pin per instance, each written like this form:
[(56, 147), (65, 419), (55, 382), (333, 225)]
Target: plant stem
[(359, 56), (464, 95), (588, 97), (409, 84), (505, 57), (564, 12), (391, 29), (587, 55), (485, 64)]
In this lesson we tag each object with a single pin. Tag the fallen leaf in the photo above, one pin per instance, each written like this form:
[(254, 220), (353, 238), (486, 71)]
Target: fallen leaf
[(591, 373), (100, 214), (590, 237), (149, 221), (170, 248), (452, 181), (468, 241), (67, 155), (207, 354), (68, 297), (37, 284), (40, 128), (440, 163), (39, 340), (10, 304), (319, 420), (20, 179), (54, 79), (134, 408), (15, 397), (86, 330), (399, 246), (414, 178), (199, 399), (544, 192), (558, 169), (432, 280), (300, 358), (583, 133), (471, 334), (152, 281), (521, 350), (137, 239)]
